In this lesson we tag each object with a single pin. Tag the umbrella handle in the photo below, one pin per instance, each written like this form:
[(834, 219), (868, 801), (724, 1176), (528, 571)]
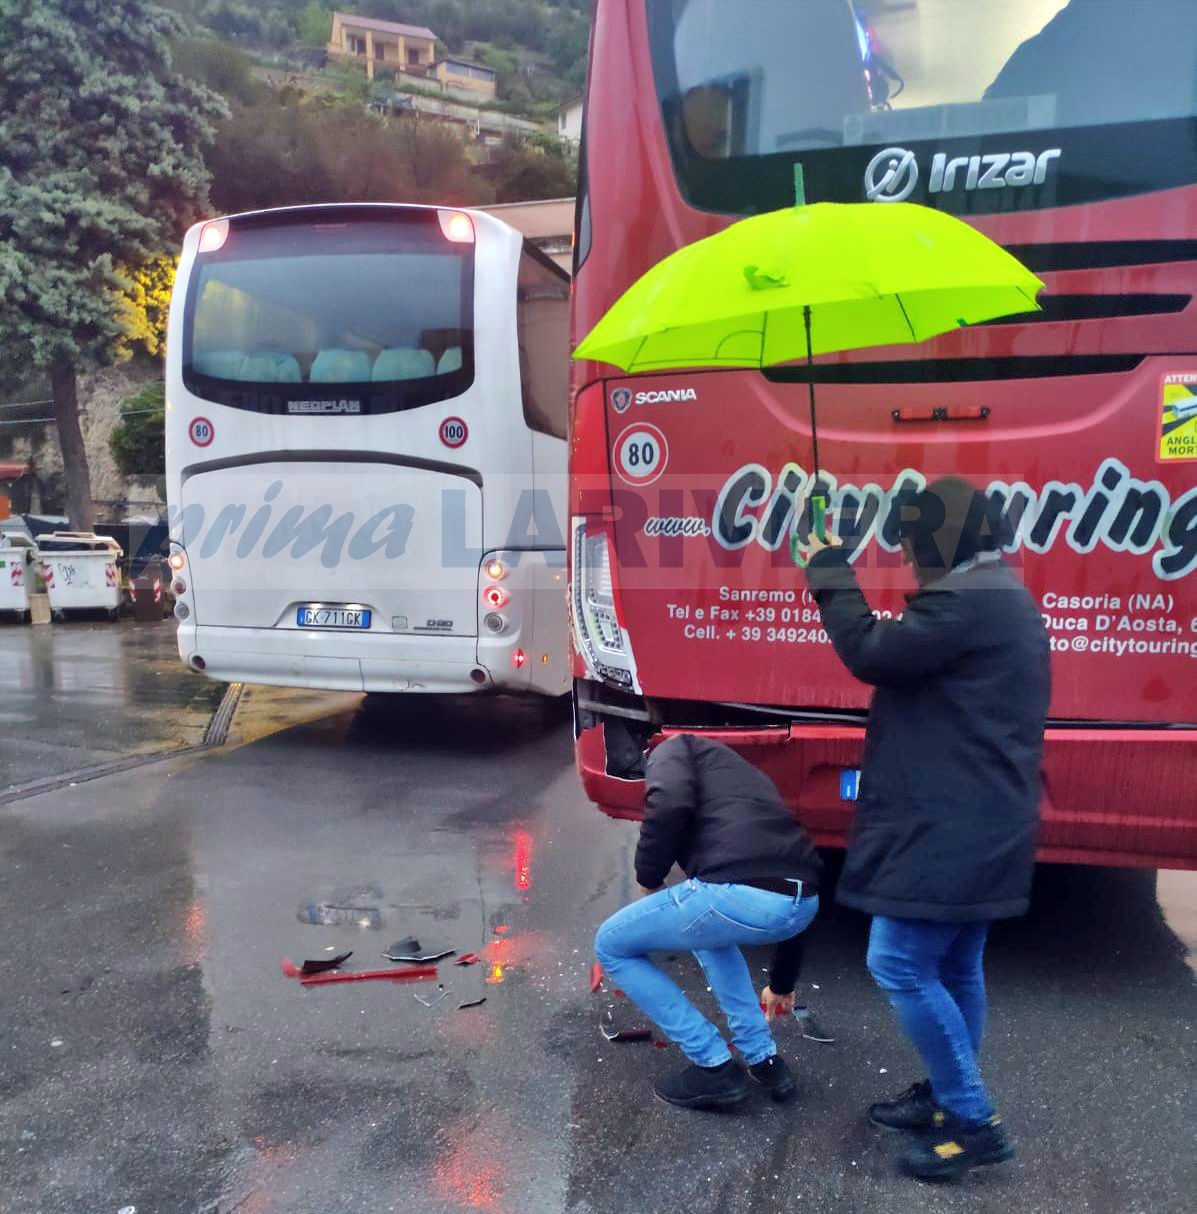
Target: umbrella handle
[(818, 520)]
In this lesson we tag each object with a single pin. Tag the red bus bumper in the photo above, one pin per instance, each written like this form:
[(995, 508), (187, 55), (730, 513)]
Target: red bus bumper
[(1118, 797)]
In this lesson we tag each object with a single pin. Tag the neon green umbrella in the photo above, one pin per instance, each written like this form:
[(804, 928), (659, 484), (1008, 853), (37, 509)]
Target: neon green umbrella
[(857, 274), (811, 280)]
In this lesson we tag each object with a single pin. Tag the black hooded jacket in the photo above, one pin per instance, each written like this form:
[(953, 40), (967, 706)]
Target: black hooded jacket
[(948, 808)]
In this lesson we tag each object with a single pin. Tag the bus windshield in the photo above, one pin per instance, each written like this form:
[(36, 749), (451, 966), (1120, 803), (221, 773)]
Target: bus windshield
[(331, 315), (1050, 96)]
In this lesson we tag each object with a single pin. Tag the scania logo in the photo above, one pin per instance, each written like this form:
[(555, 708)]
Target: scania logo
[(621, 399), (891, 176), (893, 173)]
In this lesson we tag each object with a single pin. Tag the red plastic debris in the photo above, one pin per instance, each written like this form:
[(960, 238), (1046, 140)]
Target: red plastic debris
[(596, 978), (418, 973), (468, 959), (661, 1045)]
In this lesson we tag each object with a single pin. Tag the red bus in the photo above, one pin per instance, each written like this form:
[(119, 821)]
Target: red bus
[(1064, 131)]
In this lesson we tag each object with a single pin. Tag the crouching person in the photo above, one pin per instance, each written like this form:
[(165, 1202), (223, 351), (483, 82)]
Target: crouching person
[(753, 879)]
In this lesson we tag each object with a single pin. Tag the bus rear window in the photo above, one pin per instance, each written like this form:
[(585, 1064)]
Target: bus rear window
[(748, 90), (348, 316)]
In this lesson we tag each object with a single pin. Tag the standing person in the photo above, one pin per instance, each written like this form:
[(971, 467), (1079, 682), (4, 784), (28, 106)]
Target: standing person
[(752, 879), (944, 834)]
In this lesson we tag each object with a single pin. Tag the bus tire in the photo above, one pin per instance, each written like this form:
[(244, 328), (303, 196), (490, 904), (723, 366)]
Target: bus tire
[(114, 614), (58, 616)]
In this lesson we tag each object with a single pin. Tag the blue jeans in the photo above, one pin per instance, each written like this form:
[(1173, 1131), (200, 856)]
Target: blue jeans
[(933, 975), (711, 921)]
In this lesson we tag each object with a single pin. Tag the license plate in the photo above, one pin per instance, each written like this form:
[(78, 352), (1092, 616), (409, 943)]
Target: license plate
[(332, 617), (850, 784)]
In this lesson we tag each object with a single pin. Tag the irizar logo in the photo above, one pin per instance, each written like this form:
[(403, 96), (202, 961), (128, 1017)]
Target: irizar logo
[(894, 172), (666, 396)]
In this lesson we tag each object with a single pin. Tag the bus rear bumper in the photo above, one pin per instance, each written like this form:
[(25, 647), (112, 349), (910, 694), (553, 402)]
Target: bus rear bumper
[(381, 662), (1116, 797)]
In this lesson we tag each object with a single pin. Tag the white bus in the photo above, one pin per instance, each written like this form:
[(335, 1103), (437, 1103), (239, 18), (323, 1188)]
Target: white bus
[(365, 451)]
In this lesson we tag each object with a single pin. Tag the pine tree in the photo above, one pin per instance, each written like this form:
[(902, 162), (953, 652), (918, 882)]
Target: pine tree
[(101, 169)]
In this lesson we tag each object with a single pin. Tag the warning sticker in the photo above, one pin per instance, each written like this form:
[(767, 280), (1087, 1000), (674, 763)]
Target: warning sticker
[(1178, 417)]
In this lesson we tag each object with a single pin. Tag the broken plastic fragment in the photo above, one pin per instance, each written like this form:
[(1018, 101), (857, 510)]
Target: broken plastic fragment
[(421, 973), (611, 1033), (322, 966), (434, 1000), (596, 977), (468, 959), (461, 1007), (412, 950)]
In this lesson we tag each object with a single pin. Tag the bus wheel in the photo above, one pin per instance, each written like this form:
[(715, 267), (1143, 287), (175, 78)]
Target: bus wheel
[(59, 616), (114, 614)]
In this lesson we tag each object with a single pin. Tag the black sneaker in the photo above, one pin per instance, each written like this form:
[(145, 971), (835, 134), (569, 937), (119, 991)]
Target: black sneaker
[(914, 1110), (699, 1087), (812, 1030), (774, 1076), (955, 1147)]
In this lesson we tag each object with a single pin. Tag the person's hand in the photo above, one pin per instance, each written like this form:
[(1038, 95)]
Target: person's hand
[(644, 893), (815, 544), (775, 1005)]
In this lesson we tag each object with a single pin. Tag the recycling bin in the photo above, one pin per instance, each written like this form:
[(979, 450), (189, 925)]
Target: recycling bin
[(16, 574), (81, 572)]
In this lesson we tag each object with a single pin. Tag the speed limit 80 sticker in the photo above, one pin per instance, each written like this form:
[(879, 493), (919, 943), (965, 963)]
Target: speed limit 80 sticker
[(201, 432), (641, 454)]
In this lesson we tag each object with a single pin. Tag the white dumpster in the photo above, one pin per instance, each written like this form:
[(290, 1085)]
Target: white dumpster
[(16, 575), (81, 572)]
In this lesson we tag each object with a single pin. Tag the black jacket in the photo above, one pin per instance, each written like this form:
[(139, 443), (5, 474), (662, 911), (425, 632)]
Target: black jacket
[(722, 820), (948, 806)]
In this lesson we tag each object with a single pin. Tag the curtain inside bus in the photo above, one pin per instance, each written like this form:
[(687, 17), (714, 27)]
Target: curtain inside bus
[(748, 90), (339, 315)]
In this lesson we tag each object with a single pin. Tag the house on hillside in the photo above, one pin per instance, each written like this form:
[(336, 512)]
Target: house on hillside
[(548, 223), (389, 44), (471, 79), (569, 120)]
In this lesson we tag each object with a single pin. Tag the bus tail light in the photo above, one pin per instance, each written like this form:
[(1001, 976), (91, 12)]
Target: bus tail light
[(495, 597), (519, 658), (177, 560), (598, 635), (456, 226), (213, 235), (495, 570)]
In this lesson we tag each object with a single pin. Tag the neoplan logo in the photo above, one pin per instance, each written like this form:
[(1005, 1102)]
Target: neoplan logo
[(893, 173), (324, 406)]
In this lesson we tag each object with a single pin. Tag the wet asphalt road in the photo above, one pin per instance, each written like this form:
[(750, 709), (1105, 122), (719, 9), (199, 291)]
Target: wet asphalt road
[(152, 1054), (86, 693)]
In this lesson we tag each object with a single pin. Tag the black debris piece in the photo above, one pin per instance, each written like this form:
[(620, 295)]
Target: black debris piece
[(461, 1007), (325, 964), (412, 950)]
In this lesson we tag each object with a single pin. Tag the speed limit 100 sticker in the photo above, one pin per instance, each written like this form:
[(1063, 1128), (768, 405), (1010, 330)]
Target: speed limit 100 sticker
[(201, 432), (641, 454), (454, 432)]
